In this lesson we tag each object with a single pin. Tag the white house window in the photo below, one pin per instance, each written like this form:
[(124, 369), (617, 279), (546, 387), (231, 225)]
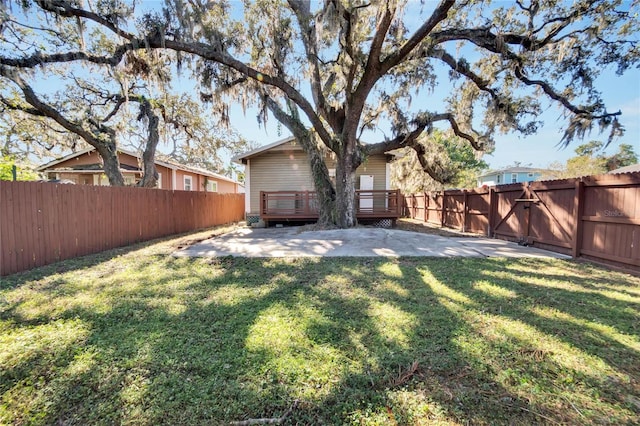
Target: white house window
[(188, 183), (530, 174), (212, 186), (514, 177), (129, 180)]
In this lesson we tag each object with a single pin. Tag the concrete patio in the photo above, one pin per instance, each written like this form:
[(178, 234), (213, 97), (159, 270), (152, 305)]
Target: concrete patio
[(356, 242)]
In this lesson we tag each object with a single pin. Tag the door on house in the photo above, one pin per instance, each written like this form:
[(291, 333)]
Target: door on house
[(366, 198)]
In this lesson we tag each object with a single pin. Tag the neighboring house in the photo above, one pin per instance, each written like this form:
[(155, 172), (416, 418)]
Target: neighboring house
[(279, 184), (628, 169), (85, 168), (509, 175)]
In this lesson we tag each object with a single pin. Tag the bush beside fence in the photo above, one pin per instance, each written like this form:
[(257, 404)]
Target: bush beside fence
[(41, 223)]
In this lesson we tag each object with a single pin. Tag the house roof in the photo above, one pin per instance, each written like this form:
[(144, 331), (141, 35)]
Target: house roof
[(63, 159), (168, 164), (627, 169), (247, 155), (254, 152), (511, 170), (95, 167)]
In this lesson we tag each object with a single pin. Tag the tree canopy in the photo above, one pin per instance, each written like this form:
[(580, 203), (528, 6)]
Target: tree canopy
[(453, 164), (51, 106), (352, 72), (22, 172), (592, 159)]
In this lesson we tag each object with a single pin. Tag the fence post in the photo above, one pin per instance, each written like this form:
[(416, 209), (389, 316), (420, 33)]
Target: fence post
[(464, 210), (578, 207), (413, 206), (442, 217), (426, 207), (492, 209)]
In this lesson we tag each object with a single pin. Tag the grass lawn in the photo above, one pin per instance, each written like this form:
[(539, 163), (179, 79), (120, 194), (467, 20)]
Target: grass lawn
[(136, 336)]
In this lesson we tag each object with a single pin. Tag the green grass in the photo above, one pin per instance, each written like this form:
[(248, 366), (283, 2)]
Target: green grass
[(139, 337)]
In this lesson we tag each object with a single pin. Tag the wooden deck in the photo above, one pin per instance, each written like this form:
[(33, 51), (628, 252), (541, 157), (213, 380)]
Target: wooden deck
[(303, 205)]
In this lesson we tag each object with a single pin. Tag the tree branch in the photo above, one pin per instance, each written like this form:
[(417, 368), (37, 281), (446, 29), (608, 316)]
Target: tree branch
[(463, 68), (17, 107), (212, 53), (39, 58), (376, 70), (438, 15), (378, 39), (422, 122), (550, 91), (44, 109), (497, 44), (308, 32), (65, 9)]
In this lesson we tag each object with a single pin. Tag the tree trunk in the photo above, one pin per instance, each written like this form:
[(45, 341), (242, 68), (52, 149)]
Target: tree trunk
[(324, 189), (346, 192), (149, 172), (110, 163)]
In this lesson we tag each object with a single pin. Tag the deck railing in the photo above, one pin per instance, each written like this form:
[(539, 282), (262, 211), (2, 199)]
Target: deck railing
[(304, 204)]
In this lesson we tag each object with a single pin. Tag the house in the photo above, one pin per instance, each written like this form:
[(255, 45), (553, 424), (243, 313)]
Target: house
[(85, 168), (279, 185), (509, 175)]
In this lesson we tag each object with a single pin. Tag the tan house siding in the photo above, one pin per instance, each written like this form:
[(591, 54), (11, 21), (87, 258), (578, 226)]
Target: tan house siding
[(279, 170), (375, 165), (288, 170)]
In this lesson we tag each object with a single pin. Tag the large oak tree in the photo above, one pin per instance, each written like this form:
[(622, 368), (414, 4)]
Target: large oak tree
[(340, 68)]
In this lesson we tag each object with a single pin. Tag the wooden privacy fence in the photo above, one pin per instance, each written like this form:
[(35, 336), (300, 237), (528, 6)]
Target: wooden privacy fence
[(41, 223), (596, 217)]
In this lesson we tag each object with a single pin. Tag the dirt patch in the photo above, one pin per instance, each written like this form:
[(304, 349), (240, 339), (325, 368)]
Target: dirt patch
[(413, 225), (194, 238)]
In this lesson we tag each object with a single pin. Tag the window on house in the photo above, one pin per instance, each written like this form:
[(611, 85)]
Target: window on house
[(212, 186), (499, 179), (514, 177), (530, 174), (129, 180), (188, 183)]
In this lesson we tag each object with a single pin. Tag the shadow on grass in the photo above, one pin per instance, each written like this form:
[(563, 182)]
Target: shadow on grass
[(183, 341)]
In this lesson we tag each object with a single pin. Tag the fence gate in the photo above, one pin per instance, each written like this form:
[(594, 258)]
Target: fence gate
[(512, 211), (552, 215), (537, 213)]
